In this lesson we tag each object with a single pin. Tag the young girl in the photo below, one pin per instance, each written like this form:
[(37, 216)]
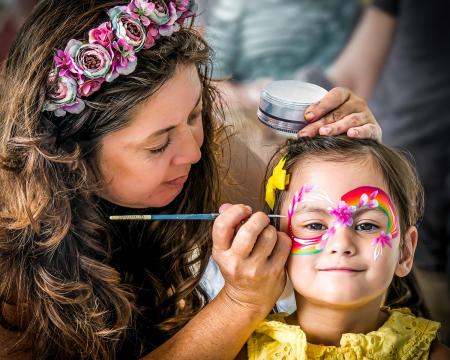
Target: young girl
[(351, 209), (106, 108)]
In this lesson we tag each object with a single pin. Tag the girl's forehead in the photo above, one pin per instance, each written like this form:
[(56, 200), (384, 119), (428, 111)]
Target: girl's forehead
[(334, 179)]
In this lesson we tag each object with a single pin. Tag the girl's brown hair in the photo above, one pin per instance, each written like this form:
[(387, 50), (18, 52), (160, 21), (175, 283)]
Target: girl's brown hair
[(399, 175), (56, 248)]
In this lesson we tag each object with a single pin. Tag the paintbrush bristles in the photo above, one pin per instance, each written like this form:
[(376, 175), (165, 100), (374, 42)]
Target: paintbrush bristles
[(130, 217)]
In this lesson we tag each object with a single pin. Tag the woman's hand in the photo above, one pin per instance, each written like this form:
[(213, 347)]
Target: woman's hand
[(251, 256), (339, 112)]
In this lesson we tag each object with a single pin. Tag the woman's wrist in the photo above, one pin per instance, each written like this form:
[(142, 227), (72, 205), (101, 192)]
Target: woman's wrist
[(253, 312)]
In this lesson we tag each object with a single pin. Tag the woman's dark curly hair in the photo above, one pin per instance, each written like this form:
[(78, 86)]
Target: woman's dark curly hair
[(55, 243)]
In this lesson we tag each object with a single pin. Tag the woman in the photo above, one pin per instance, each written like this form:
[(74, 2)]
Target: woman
[(121, 121)]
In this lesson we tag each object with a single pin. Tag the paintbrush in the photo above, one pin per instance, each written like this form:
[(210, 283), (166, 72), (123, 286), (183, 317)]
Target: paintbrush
[(175, 217)]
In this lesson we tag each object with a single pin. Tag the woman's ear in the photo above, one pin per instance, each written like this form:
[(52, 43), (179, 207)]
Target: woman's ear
[(407, 251)]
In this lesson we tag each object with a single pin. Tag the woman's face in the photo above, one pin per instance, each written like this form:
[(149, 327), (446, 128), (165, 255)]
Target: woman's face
[(147, 163)]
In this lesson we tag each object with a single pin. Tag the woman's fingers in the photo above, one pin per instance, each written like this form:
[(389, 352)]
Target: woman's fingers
[(281, 250), (226, 225), (265, 243), (331, 101), (344, 124), (253, 230), (339, 112), (367, 131)]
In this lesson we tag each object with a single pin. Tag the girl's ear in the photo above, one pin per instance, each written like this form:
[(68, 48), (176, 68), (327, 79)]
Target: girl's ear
[(407, 251)]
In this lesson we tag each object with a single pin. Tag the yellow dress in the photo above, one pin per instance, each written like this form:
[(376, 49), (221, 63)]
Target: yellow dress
[(403, 336)]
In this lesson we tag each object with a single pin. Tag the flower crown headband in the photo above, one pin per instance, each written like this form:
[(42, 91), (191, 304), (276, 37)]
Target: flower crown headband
[(82, 68)]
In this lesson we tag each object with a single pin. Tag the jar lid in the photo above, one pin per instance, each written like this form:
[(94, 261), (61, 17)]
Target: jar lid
[(283, 104)]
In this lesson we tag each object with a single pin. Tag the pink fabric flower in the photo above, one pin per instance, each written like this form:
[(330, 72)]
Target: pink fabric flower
[(171, 25), (183, 5), (102, 35), (62, 96), (89, 87), (141, 10), (343, 214), (63, 62), (91, 60), (152, 35), (127, 28), (124, 60)]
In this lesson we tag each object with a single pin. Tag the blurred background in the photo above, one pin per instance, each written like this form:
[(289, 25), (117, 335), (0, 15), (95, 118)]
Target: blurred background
[(394, 53)]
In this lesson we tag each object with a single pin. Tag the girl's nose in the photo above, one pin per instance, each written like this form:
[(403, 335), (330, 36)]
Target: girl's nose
[(342, 242)]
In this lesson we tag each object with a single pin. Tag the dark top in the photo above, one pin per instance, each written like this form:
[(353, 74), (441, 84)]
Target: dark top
[(133, 250), (411, 102)]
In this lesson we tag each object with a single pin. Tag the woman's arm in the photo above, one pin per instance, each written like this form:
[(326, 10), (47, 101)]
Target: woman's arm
[(251, 255), (219, 331), (359, 65)]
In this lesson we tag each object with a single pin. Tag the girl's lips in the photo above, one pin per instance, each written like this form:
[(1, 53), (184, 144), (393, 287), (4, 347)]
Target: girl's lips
[(341, 269), (178, 181)]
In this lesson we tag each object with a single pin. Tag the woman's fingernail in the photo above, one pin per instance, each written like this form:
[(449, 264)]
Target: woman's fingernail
[(325, 130), (309, 115), (302, 133), (222, 208), (249, 208)]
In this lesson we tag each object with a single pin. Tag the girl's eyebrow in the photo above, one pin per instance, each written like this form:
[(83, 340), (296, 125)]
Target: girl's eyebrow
[(315, 209), (362, 211), (311, 209)]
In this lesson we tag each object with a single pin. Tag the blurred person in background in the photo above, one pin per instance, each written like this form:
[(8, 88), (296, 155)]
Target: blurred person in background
[(273, 39), (256, 42), (12, 15)]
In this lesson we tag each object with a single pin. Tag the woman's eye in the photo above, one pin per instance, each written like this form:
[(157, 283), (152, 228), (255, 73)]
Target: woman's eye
[(366, 227), (160, 149), (315, 227)]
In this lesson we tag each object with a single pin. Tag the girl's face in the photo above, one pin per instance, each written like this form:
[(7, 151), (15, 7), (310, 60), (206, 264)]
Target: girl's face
[(147, 163), (339, 262)]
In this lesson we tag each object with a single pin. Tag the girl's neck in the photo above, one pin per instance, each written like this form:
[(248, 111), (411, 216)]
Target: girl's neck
[(325, 325)]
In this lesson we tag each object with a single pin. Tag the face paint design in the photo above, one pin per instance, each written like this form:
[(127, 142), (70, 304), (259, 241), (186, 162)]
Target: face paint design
[(372, 197), (301, 245), (365, 197)]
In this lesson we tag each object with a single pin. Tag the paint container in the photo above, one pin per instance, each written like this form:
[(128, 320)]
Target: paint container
[(283, 103)]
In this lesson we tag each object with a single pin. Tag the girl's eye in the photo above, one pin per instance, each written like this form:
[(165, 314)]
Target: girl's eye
[(366, 227), (315, 227), (160, 149)]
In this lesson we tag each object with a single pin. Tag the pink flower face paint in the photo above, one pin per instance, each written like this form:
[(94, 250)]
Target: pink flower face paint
[(354, 201)]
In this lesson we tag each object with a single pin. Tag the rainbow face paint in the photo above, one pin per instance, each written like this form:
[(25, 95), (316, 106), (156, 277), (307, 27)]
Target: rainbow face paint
[(364, 197)]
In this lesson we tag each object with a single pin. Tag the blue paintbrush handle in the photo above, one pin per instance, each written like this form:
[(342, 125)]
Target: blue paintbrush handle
[(171, 217)]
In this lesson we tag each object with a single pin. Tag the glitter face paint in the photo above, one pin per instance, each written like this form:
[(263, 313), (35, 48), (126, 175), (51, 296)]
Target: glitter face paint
[(364, 197)]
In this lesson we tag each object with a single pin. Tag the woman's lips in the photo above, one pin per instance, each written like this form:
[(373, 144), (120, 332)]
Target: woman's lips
[(179, 181)]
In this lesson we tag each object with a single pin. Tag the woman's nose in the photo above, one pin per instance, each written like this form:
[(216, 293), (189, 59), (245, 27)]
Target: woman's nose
[(189, 148), (342, 242)]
